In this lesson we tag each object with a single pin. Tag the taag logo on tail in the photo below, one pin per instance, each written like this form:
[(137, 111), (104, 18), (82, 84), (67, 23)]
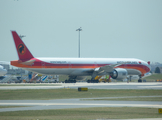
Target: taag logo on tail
[(21, 49), (23, 52)]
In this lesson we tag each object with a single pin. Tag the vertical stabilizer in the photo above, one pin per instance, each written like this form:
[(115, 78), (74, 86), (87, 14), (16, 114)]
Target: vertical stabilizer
[(22, 50)]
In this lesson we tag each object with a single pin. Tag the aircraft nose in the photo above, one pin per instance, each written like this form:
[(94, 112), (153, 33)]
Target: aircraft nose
[(149, 66)]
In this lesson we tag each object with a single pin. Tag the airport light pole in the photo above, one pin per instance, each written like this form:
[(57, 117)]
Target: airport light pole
[(79, 29)]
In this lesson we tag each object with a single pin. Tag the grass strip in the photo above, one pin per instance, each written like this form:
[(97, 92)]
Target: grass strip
[(32, 84), (12, 106), (132, 99), (46, 94), (153, 77), (83, 114)]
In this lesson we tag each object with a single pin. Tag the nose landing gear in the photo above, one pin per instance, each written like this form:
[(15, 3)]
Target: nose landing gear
[(139, 80)]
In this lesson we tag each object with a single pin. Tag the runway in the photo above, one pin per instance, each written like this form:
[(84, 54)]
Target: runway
[(78, 103), (72, 103), (153, 85)]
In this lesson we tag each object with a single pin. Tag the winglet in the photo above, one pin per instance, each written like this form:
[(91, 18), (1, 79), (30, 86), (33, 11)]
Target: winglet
[(22, 50)]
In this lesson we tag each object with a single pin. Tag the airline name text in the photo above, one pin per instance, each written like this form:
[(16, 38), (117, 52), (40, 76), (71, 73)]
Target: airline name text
[(127, 62), (58, 62)]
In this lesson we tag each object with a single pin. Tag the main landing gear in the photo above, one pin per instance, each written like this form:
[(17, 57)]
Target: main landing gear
[(70, 81), (92, 81), (139, 80)]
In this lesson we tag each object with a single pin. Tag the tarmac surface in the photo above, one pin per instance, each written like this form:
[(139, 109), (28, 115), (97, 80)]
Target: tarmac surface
[(73, 103), (153, 85), (83, 102)]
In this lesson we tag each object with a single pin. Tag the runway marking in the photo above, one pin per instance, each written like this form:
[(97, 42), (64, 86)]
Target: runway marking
[(89, 85), (149, 86), (85, 104)]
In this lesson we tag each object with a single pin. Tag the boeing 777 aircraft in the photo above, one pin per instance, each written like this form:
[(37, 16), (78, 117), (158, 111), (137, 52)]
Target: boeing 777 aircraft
[(78, 68)]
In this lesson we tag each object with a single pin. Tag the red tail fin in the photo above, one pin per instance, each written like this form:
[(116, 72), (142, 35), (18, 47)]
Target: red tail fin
[(22, 50)]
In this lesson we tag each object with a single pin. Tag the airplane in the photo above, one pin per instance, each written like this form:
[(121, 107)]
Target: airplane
[(78, 68), (2, 71)]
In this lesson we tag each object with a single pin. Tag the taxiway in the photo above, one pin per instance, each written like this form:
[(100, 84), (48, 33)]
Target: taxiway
[(82, 102), (73, 103), (155, 85)]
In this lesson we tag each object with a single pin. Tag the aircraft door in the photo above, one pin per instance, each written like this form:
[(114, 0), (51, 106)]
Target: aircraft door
[(43, 65), (95, 64), (69, 64), (125, 65)]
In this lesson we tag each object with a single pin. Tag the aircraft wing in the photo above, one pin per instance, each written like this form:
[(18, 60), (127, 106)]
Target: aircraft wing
[(109, 68), (106, 68)]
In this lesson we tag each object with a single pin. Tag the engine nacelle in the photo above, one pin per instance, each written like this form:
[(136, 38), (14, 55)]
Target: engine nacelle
[(119, 74)]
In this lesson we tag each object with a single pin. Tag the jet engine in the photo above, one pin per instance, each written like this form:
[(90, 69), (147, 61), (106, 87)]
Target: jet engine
[(119, 74)]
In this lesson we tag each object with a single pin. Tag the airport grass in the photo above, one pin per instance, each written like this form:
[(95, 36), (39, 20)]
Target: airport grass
[(83, 114), (12, 106), (30, 84), (47, 94), (132, 99), (153, 77), (62, 78)]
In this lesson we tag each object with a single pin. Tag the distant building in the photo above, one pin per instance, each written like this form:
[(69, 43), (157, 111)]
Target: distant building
[(6, 65), (160, 69), (154, 65), (15, 71)]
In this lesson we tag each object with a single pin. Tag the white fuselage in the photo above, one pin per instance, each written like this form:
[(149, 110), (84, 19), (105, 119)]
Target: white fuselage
[(84, 66)]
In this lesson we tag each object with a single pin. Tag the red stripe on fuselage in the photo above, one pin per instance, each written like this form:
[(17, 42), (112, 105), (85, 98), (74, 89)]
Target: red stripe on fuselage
[(40, 64)]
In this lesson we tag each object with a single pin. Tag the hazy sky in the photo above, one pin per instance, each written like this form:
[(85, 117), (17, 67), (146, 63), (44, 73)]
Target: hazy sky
[(111, 28)]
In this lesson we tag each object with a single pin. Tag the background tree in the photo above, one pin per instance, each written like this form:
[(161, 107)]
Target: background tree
[(157, 70)]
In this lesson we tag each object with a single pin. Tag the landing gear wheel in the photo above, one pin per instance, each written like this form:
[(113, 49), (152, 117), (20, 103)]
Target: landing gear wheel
[(88, 81), (70, 81), (66, 81), (74, 81), (139, 80), (92, 81)]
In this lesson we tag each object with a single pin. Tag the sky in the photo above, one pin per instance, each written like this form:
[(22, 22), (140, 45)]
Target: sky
[(110, 28)]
